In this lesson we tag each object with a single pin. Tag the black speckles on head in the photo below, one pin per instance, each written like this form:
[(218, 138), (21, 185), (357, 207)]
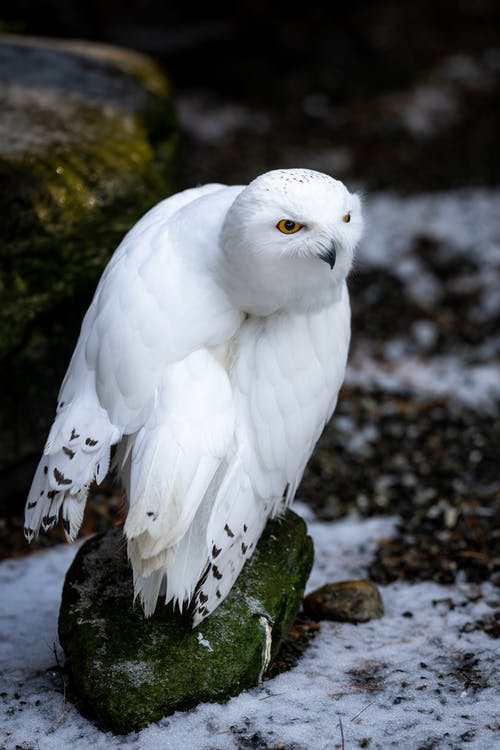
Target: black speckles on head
[(301, 175), (292, 182)]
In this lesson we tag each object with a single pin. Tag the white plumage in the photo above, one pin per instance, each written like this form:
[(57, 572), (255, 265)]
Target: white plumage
[(212, 354)]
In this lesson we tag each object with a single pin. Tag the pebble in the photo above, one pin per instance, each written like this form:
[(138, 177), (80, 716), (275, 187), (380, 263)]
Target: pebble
[(345, 601)]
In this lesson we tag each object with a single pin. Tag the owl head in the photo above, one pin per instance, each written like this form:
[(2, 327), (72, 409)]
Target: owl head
[(288, 241)]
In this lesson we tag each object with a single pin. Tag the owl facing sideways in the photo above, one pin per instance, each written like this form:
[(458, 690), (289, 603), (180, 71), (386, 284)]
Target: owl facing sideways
[(211, 355)]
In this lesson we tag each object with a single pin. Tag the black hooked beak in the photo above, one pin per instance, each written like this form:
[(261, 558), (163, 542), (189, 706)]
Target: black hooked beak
[(329, 255)]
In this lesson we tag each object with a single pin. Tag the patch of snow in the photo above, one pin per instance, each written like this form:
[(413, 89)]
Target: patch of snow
[(449, 377), (425, 332), (438, 100), (465, 224), (204, 642), (430, 108), (138, 672), (421, 674), (211, 120)]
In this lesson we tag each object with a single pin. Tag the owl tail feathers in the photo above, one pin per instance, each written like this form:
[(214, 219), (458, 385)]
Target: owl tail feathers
[(232, 533), (147, 589), (166, 537), (200, 568), (45, 505), (173, 573), (74, 457), (169, 489)]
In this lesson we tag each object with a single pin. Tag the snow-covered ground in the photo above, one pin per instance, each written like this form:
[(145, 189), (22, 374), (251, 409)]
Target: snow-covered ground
[(421, 677)]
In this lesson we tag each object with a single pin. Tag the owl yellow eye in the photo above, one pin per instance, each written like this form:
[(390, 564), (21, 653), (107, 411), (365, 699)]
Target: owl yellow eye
[(347, 218), (287, 226)]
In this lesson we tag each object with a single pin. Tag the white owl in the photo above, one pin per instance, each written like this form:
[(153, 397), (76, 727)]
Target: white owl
[(212, 353)]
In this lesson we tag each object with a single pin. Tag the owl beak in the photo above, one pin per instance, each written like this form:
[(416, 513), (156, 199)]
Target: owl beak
[(329, 255)]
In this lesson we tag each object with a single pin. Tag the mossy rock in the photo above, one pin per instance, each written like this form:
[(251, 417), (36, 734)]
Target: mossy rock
[(87, 143), (132, 671)]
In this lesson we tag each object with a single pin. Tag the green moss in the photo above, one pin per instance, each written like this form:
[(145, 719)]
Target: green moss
[(65, 213), (132, 670)]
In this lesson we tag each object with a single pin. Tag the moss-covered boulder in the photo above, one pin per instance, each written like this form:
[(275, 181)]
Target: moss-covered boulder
[(87, 139), (132, 671)]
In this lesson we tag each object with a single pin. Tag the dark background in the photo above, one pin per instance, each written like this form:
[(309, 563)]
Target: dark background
[(307, 77)]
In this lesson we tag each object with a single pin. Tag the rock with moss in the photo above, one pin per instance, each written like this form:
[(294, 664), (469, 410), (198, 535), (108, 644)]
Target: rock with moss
[(132, 671), (87, 139)]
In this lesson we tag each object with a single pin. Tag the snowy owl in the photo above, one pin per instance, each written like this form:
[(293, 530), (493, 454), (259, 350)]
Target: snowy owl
[(212, 355)]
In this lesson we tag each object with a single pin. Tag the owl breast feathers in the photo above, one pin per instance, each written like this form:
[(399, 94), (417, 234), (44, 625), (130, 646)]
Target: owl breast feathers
[(211, 356)]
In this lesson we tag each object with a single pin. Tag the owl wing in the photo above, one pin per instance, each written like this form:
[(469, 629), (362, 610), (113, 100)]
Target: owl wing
[(287, 374), (154, 305)]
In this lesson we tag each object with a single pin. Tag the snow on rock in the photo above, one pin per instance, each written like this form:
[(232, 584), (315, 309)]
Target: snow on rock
[(423, 675)]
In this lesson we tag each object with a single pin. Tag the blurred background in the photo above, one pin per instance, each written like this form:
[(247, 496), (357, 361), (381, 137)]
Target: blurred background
[(390, 94), (400, 101)]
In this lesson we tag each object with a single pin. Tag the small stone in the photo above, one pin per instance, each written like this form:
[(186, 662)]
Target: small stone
[(345, 601), (132, 671)]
